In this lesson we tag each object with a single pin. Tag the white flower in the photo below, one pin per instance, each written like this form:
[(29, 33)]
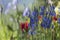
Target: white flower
[(26, 12), (50, 2)]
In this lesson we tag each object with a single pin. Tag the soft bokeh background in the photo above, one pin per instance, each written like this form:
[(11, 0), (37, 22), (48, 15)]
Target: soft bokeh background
[(9, 22)]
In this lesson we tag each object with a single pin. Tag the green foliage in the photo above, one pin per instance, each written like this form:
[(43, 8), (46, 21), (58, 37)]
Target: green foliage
[(9, 28)]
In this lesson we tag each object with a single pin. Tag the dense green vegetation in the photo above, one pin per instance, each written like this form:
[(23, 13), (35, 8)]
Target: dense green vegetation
[(9, 27)]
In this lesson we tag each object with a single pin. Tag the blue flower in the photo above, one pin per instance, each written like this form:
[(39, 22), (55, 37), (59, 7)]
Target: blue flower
[(44, 19), (42, 8), (49, 21), (46, 22), (52, 13), (43, 24), (42, 13), (35, 12), (33, 26), (35, 15), (52, 7), (32, 31), (59, 20), (32, 21)]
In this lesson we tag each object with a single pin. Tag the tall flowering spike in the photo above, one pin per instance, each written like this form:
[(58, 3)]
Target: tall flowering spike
[(35, 12), (33, 19), (36, 16), (49, 23), (46, 22), (43, 24), (42, 10), (52, 12), (32, 23)]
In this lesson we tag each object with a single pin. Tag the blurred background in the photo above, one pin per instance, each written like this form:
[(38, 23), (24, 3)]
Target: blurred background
[(11, 15)]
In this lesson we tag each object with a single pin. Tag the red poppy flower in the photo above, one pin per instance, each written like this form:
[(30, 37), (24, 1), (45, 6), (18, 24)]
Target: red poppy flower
[(24, 26)]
